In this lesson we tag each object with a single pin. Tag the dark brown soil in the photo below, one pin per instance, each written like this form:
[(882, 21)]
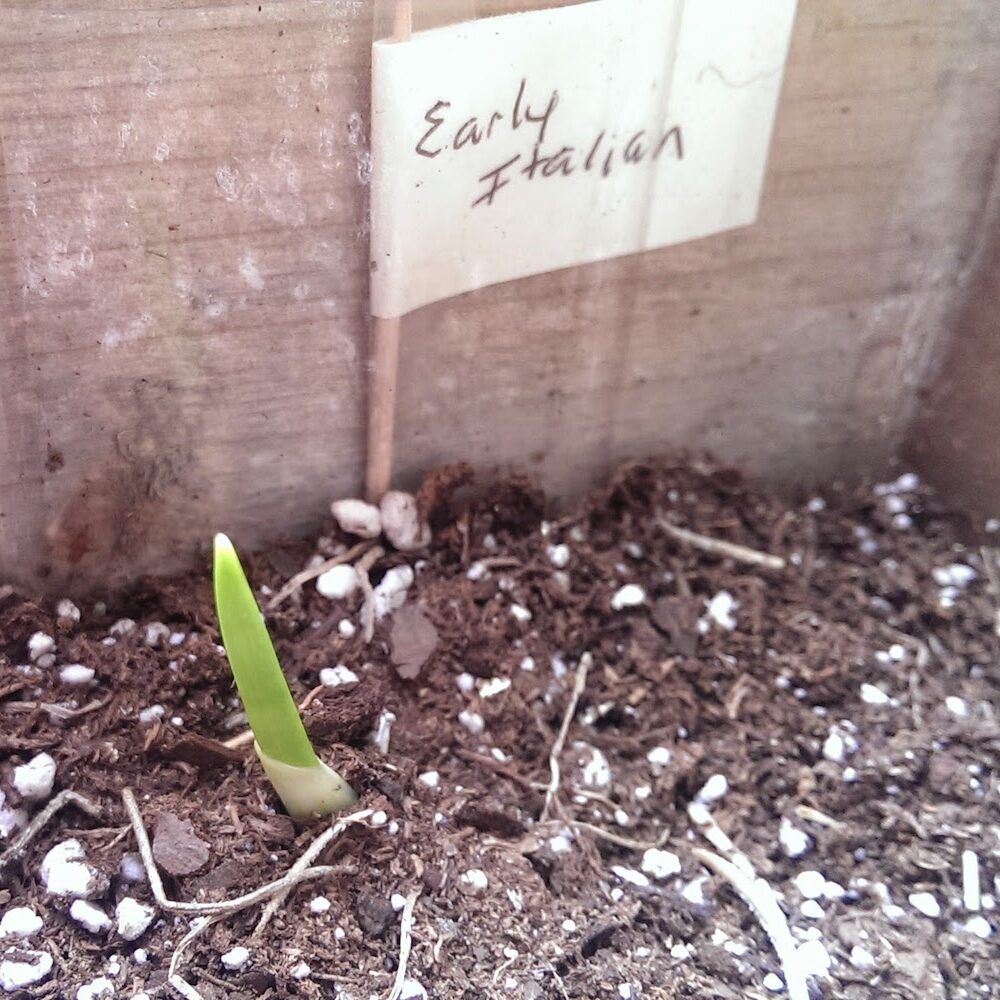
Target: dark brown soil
[(857, 605)]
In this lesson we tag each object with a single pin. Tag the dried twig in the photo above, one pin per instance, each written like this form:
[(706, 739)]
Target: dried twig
[(275, 892), (991, 565), (728, 550), (56, 711), (578, 685), (405, 943), (300, 579), (288, 881), (362, 567), (614, 838), (308, 856), (815, 816), (760, 897), (504, 770), (177, 981), (41, 819)]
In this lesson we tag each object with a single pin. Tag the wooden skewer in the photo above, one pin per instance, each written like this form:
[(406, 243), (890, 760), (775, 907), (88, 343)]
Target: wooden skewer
[(385, 352)]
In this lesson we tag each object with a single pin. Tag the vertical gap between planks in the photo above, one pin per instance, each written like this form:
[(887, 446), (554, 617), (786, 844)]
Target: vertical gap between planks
[(385, 353)]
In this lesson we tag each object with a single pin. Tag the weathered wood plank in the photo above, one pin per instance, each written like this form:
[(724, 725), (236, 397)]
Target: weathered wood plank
[(183, 280)]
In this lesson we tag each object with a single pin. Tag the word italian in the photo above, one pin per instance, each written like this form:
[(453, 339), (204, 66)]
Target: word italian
[(600, 154)]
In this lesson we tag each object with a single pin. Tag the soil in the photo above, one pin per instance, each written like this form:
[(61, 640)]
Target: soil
[(750, 690)]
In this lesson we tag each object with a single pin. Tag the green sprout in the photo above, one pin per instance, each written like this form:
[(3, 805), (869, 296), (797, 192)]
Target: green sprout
[(305, 785)]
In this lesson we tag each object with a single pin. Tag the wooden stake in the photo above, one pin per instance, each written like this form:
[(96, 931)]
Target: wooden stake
[(382, 405), (385, 353)]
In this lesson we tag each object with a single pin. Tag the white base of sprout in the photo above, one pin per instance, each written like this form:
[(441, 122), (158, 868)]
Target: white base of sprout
[(307, 791)]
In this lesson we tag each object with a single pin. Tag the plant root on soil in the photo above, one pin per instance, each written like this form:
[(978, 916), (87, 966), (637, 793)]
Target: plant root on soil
[(41, 819), (728, 550), (301, 579), (579, 682), (405, 943), (274, 892)]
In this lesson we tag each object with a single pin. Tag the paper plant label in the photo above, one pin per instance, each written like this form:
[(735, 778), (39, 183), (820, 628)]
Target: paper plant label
[(519, 144)]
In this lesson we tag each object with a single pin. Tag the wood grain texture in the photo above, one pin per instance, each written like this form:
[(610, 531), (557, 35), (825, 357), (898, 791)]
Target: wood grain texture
[(955, 438), (183, 280)]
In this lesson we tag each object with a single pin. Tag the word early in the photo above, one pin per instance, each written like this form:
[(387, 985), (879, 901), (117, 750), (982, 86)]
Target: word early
[(601, 154)]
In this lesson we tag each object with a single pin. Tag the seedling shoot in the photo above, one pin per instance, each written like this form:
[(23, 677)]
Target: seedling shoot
[(305, 785)]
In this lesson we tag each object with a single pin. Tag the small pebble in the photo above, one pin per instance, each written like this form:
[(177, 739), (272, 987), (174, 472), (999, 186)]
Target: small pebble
[(629, 596), (596, 771), (156, 634), (100, 987), (319, 904), (472, 721), (378, 818), (397, 901), (65, 872), (680, 950), (720, 608), (336, 676), (346, 628), (811, 909), (140, 956), (122, 627), (630, 875), (473, 881), (521, 613), (337, 583), (390, 594), (813, 958), (133, 918), (979, 926), (971, 898), (235, 959), (23, 968), (774, 983), (401, 521), (356, 517), (558, 555), (301, 971), (465, 682), (412, 990), (528, 664), (660, 864), (833, 747), (873, 695), (151, 714), (429, 778), (493, 686), (861, 958), (76, 673), (40, 644), (132, 869), (89, 916), (477, 571), (810, 884), (834, 891), (956, 706), (795, 842), (658, 758), (20, 921), (926, 903), (67, 611), (34, 780), (713, 789)]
